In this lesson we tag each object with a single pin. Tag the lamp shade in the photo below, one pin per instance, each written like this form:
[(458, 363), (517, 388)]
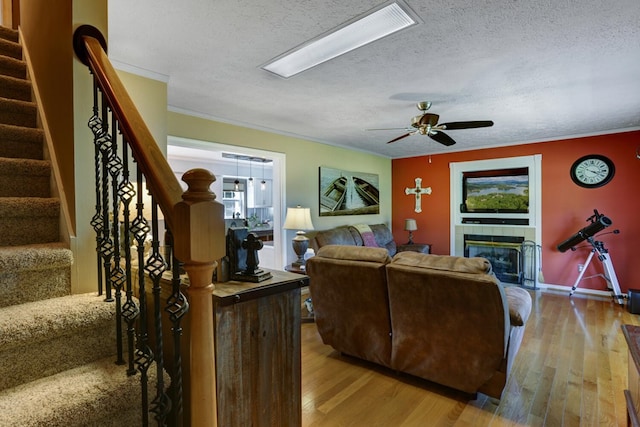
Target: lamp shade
[(298, 218), (410, 225)]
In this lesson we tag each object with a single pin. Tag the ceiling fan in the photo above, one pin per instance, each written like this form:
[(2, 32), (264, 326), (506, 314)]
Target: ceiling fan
[(427, 124)]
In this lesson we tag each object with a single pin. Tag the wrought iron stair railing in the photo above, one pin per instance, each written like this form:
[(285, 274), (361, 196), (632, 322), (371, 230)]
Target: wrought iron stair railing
[(194, 240)]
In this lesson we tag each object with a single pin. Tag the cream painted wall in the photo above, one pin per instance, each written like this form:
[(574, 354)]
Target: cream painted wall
[(150, 96), (303, 159), (83, 244)]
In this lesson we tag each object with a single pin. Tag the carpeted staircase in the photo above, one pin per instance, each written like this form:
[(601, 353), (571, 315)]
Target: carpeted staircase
[(57, 350)]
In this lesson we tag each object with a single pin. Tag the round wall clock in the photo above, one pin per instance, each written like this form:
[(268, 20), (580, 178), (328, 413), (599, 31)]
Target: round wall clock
[(592, 171)]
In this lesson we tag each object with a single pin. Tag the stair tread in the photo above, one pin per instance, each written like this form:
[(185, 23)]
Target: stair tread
[(29, 207), (19, 103), (96, 394), (18, 112), (10, 48), (37, 321), (9, 34), (35, 257), (33, 167), (19, 132), (13, 67), (15, 88)]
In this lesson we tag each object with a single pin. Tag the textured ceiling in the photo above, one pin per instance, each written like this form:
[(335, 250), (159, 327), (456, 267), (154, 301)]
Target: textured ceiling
[(539, 69)]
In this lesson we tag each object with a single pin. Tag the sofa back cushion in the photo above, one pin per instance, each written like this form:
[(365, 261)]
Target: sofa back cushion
[(335, 236), (449, 318), (349, 235), (475, 265), (349, 293), (384, 238)]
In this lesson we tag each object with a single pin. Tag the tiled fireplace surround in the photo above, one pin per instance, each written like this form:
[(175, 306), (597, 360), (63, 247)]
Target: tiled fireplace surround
[(531, 232)]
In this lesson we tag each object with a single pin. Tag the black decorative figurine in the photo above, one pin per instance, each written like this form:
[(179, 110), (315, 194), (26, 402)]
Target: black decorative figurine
[(242, 250), (252, 244)]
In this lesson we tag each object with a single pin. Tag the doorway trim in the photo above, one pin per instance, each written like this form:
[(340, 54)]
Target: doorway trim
[(278, 176)]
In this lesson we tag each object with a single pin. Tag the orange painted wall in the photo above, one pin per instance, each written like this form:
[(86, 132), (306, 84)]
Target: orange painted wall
[(565, 206)]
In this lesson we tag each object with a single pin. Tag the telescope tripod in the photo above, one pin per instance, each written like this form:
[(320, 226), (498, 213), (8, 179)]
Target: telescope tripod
[(609, 272)]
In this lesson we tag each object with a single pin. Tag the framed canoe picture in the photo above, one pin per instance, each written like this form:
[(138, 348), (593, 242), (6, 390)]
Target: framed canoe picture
[(348, 193)]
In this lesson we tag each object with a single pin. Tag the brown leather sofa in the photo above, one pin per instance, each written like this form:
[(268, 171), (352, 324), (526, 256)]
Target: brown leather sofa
[(349, 235), (442, 318)]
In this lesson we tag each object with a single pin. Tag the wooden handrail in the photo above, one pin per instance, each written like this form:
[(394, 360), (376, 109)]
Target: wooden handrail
[(135, 131), (195, 219)]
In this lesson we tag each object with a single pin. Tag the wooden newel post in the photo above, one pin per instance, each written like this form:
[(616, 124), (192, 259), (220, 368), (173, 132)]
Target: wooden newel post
[(199, 242)]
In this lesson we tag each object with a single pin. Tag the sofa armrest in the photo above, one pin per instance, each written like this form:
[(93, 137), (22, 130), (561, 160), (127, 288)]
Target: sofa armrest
[(519, 302)]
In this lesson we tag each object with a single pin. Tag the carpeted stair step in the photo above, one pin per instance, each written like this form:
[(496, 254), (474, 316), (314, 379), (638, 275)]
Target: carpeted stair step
[(18, 113), (15, 88), (10, 48), (21, 142), (99, 394), (9, 34), (57, 334), (24, 177), (34, 273), (13, 67), (28, 220)]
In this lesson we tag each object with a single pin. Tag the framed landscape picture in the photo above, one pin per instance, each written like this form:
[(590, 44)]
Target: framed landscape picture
[(348, 193)]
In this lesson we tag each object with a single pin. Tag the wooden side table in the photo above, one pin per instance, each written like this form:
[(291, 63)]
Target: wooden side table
[(295, 269), (306, 314)]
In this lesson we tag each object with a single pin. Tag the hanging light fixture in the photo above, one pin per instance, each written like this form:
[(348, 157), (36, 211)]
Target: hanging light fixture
[(236, 183), (263, 183), (250, 173)]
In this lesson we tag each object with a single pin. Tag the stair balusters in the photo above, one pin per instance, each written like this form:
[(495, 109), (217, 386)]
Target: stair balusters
[(115, 231), (196, 221), (130, 310)]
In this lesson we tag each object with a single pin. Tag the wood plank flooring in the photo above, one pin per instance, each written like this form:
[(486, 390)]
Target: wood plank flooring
[(571, 370)]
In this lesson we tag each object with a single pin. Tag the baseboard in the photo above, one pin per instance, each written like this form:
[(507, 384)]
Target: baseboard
[(579, 290)]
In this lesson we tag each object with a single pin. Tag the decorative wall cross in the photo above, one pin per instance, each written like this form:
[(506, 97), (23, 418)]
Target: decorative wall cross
[(418, 191)]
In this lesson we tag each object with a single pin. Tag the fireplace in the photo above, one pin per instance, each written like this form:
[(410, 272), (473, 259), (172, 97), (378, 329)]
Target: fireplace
[(502, 251)]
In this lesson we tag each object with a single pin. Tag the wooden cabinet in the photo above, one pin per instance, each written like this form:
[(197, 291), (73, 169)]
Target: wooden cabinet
[(257, 328), (259, 198), (257, 344), (632, 394)]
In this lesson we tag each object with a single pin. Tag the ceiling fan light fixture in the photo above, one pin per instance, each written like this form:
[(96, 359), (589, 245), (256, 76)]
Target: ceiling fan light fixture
[(380, 22)]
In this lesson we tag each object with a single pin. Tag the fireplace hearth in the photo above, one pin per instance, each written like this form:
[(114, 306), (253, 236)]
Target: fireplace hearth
[(503, 252)]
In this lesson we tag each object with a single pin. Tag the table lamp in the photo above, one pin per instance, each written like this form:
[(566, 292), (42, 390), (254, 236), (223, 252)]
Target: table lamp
[(410, 225), (299, 219)]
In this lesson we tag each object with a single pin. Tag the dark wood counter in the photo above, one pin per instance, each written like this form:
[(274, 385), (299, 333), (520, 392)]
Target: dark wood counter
[(632, 394)]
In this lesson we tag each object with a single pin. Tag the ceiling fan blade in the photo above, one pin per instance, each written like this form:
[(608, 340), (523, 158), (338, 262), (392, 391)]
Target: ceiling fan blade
[(442, 138), (400, 137), (466, 125), (404, 128)]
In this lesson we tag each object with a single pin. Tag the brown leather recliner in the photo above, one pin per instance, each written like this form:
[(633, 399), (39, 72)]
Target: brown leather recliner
[(442, 318), (348, 287)]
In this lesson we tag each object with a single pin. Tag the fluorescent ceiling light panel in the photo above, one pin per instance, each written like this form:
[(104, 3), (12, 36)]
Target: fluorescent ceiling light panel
[(375, 25)]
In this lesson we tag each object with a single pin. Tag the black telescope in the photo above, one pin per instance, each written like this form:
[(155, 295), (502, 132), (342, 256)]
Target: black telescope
[(598, 223)]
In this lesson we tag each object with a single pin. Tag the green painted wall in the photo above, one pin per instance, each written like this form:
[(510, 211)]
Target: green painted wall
[(303, 159)]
